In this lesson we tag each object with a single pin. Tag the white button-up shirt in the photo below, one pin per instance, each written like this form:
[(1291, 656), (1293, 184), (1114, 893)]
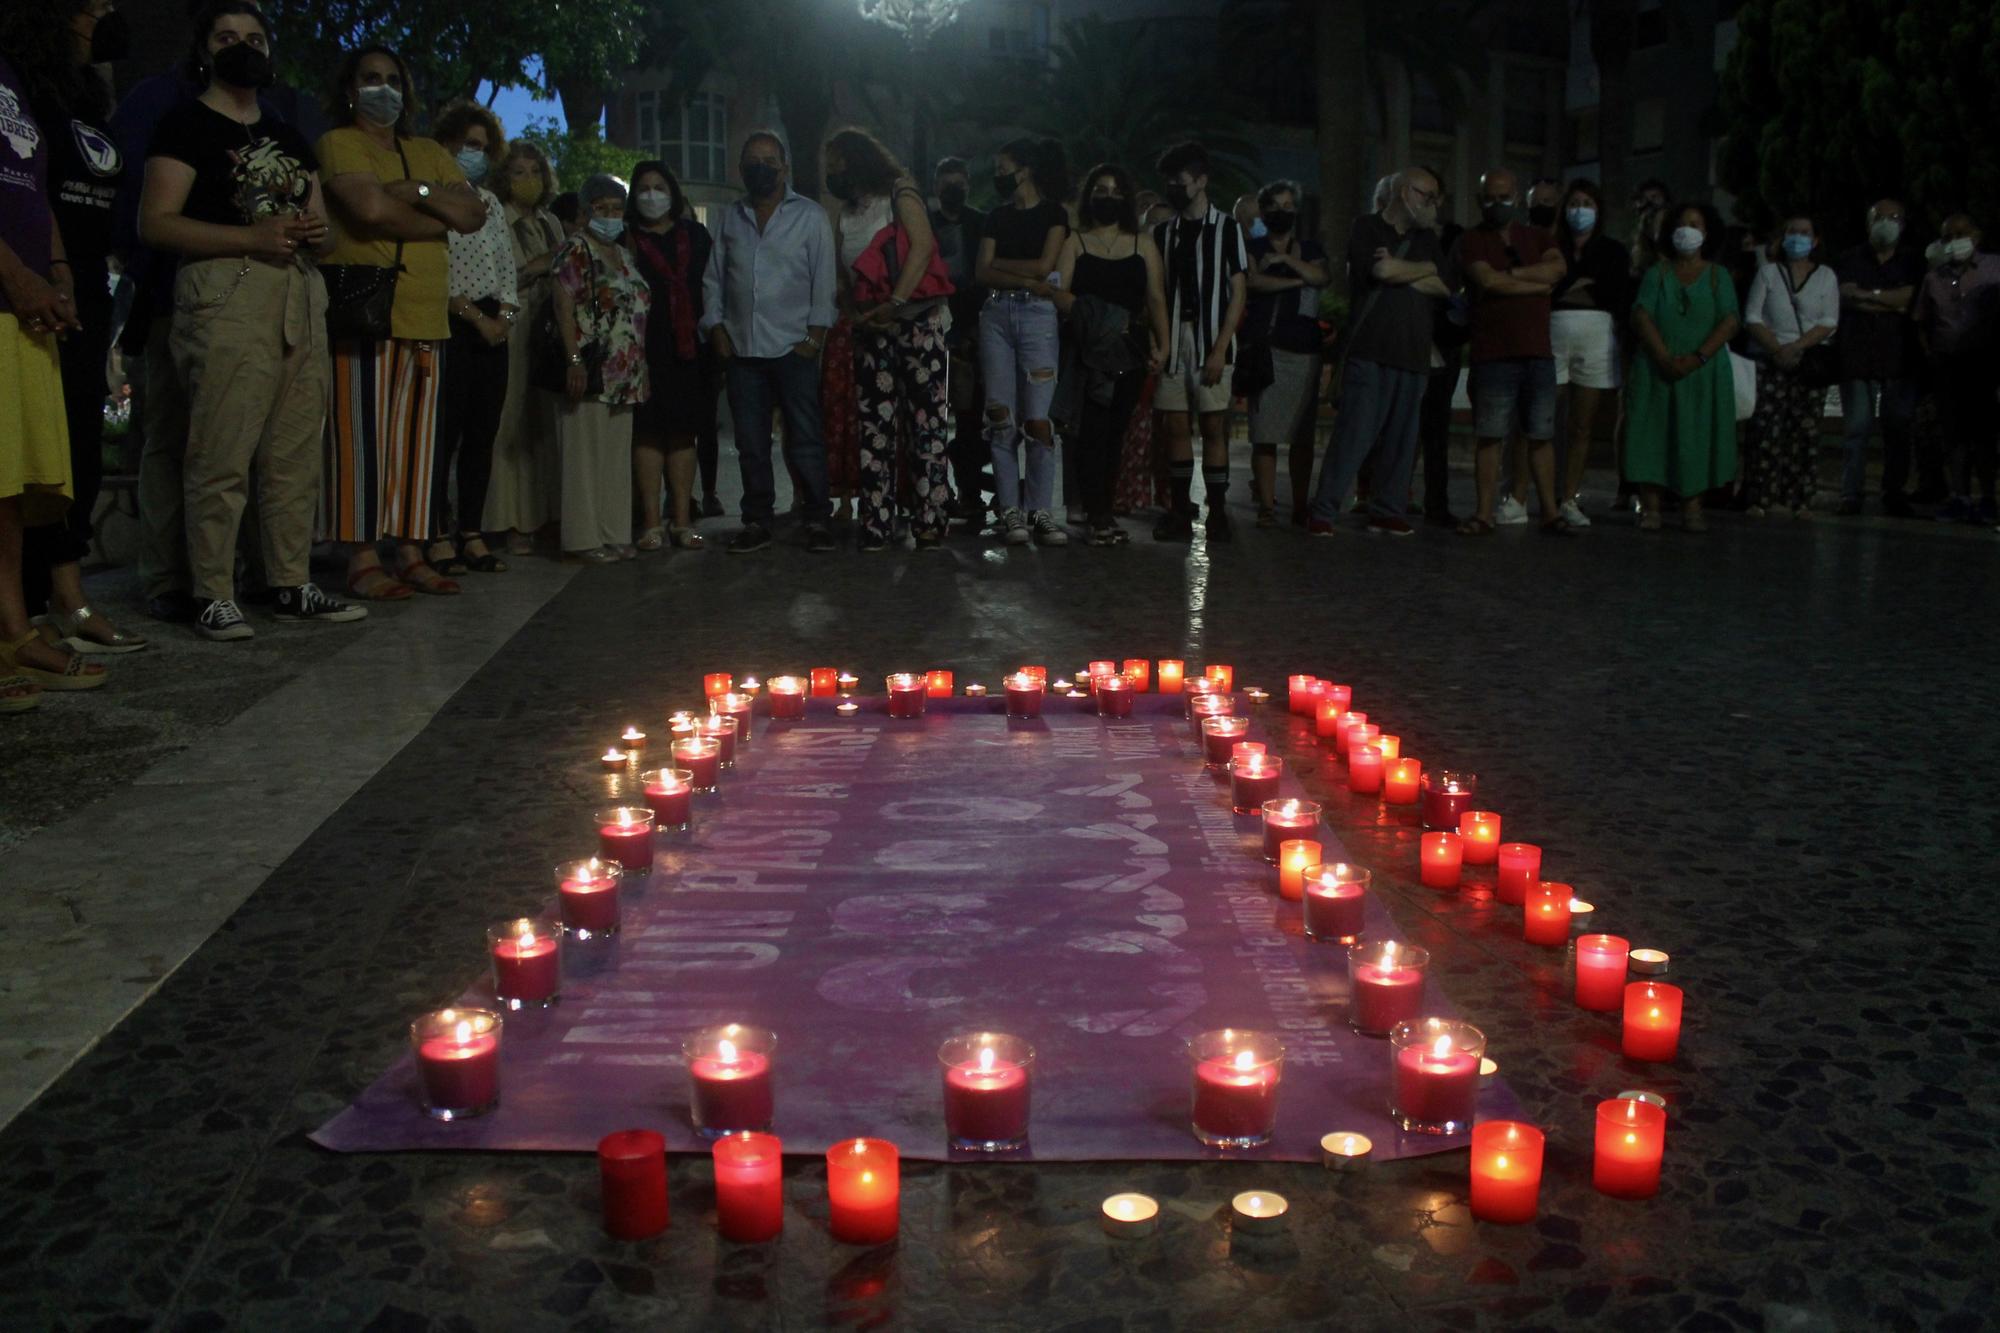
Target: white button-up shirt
[(768, 287)]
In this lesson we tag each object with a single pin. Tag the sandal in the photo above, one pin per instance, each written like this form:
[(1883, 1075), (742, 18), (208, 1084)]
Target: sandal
[(1475, 527), (452, 564), (424, 578), (18, 694), (1649, 520), (372, 583), (72, 631), (685, 539), (520, 543), (76, 674), (485, 562), (653, 538)]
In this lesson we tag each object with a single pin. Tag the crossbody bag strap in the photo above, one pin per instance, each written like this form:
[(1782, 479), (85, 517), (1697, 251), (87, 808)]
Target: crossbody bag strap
[(1368, 306), (398, 265)]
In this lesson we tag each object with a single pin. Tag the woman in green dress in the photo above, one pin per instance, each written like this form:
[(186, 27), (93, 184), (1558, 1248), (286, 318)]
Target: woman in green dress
[(1681, 415)]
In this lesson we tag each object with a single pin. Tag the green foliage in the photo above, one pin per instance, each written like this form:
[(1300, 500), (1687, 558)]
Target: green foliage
[(578, 157)]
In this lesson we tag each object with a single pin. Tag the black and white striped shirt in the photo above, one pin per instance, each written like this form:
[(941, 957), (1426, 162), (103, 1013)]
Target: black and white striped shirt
[(1218, 258)]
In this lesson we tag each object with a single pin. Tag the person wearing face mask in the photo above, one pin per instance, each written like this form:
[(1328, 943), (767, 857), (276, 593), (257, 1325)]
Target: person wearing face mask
[(1287, 273), (1591, 304), (958, 227), (394, 198), (671, 248), (1794, 306), (521, 493), (1878, 284), (1681, 401), (1958, 322), (485, 305), (1545, 198), (233, 192)]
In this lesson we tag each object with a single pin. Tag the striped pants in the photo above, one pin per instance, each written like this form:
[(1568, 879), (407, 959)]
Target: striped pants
[(381, 435)]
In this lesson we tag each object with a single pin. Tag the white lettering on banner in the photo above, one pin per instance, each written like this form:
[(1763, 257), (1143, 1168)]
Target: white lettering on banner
[(1143, 843), (802, 837), (1124, 941), (734, 881), (1145, 871), (963, 810), (1182, 999), (931, 854), (893, 915), (701, 923), (882, 985), (703, 955)]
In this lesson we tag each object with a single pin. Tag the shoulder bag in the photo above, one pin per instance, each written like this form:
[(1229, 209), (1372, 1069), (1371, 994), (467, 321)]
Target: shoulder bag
[(1819, 368), (1346, 344), (1742, 370), (361, 298), (548, 359)]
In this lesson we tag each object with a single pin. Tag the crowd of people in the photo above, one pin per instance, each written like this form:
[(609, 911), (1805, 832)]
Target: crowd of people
[(408, 349)]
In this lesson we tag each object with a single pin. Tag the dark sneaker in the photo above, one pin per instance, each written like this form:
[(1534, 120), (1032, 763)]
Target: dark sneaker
[(1048, 532), (175, 608), (1176, 525), (819, 539), (307, 602), (711, 506), (222, 622), (1382, 526), (754, 537), (1219, 528), (1319, 527)]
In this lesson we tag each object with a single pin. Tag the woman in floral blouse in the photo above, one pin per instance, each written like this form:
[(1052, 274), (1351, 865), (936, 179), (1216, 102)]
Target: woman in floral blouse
[(601, 304)]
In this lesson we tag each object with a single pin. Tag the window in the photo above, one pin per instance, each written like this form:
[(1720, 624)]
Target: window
[(693, 139)]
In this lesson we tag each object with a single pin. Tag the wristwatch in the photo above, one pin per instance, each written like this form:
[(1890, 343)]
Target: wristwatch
[(423, 189)]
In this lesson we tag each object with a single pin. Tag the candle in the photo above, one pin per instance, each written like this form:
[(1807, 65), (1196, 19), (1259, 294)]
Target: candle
[(1545, 915), (632, 1166), (614, 760), (634, 741), (729, 1068), (906, 694), (1600, 972), (862, 1188), (1198, 688), (986, 1090), (1434, 1073), (1257, 697), (1335, 900), (720, 682), (1506, 1171), (1294, 855), (1287, 817), (1041, 674), (1202, 707), (1060, 685), (1253, 780), (1385, 985), (1580, 915), (1140, 670), (1488, 1067), (1300, 692), (1128, 1215), (1340, 695), (1345, 1150), (1649, 962), (700, 758), (1258, 1212), (458, 1062), (749, 686), (625, 835), (825, 682), (721, 730), (1362, 736), (749, 1187), (1481, 831), (670, 793), (1441, 856), (1447, 796), (1348, 722), (1171, 675), (1364, 769), (847, 708), (1399, 781), (527, 964), (975, 691), (1329, 719), (1102, 667), (938, 684), (1218, 735), (1223, 676), (788, 698), (736, 705), (1236, 1077), (588, 894), (1024, 695), (1390, 746), (847, 681), (1652, 1021), (1650, 1098), (1631, 1138), (1114, 696), (1520, 865)]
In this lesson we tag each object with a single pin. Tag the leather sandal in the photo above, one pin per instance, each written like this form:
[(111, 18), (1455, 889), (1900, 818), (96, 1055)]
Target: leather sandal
[(485, 562), (425, 579), (373, 583), (71, 629), (18, 694), (77, 674), (686, 539)]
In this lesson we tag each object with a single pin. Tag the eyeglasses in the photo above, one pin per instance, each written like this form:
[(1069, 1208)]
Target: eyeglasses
[(1423, 196)]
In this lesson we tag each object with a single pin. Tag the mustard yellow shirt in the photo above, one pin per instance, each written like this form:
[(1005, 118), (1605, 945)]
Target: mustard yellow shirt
[(421, 291)]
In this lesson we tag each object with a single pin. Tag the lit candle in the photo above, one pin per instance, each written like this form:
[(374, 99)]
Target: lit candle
[(863, 1186), (1024, 695), (825, 682), (1488, 1069), (1348, 722), (1481, 831), (1506, 1171), (788, 698), (1600, 972), (975, 691), (1197, 689), (527, 966), (1329, 719), (1257, 697), (847, 681), (1649, 962), (1390, 746), (1434, 1070), (1128, 1215), (1447, 796), (1336, 898), (735, 705), (1385, 985), (625, 835), (1364, 769), (1399, 781), (1345, 1150), (632, 1168), (1202, 707), (1631, 1139), (907, 692), (721, 730), (847, 708), (1218, 736), (749, 685), (1652, 1021), (1223, 676), (634, 741), (937, 684), (1294, 855), (749, 1187), (1253, 780), (1258, 1212), (1520, 865), (1060, 685), (1441, 857), (1101, 667), (1040, 674), (458, 1062), (1287, 817), (1236, 1078), (1300, 694), (986, 1090), (588, 894), (701, 759), (670, 793), (1545, 915), (729, 1068), (1581, 914), (1343, 695), (1362, 736), (720, 682), (1171, 672), (1114, 696), (1140, 670), (615, 760)]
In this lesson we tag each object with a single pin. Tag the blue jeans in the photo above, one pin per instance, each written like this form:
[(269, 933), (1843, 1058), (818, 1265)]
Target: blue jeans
[(1019, 347), (1379, 410), (790, 384), (1858, 412), (1516, 392)]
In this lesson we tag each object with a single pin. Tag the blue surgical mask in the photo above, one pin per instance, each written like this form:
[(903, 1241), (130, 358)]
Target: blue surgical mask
[(379, 103), (607, 229), (473, 163), (1258, 231), (1797, 245), (1582, 218)]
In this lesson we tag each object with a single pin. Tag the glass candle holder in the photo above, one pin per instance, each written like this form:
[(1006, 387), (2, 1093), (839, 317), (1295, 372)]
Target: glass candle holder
[(1440, 859), (1519, 865), (1236, 1076), (825, 682), (749, 1187), (1202, 707), (1253, 780), (729, 1073), (1139, 670), (1294, 855), (1336, 694), (1223, 676), (1287, 817), (1327, 718), (700, 757), (1385, 986), (723, 731), (1400, 781), (1335, 898), (938, 684), (1040, 674), (1390, 746), (1114, 696), (1348, 722), (1218, 734), (1506, 1175), (670, 793), (587, 893), (1631, 1139), (1601, 962), (1199, 688), (1024, 695), (719, 682), (1434, 1075), (788, 698), (1652, 1029), (906, 694), (986, 1090), (1173, 675), (527, 963), (1545, 915), (458, 1062), (1481, 831), (625, 835), (1364, 769), (863, 1191), (738, 705), (1447, 796), (632, 1176), (1300, 692)]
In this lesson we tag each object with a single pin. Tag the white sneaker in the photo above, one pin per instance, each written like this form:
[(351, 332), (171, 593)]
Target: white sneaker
[(1509, 512), (1573, 514), (1015, 524), (221, 621), (1048, 532)]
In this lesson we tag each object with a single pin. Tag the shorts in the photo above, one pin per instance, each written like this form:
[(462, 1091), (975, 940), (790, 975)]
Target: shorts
[(1517, 393), (1183, 391), (1586, 348)]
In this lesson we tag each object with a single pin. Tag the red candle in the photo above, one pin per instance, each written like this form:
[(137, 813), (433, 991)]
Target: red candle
[(863, 1185), (1441, 856), (1171, 674), (723, 731), (1024, 695), (1349, 721), (1399, 782), (1253, 780), (1362, 736), (1447, 796), (729, 1068), (1298, 694), (1101, 667), (1481, 831), (1236, 1079), (1652, 1021), (720, 682), (1040, 674), (1364, 769), (937, 684), (1520, 866), (458, 1062), (986, 1089), (700, 757), (1294, 855), (1506, 1171), (1223, 676), (738, 706), (1600, 972), (1326, 715), (1198, 688), (825, 682), (632, 1165), (625, 835), (670, 793), (1386, 985), (527, 967), (1336, 898), (906, 695), (1244, 749), (1202, 707), (588, 893), (1140, 670), (1218, 736), (1390, 746), (788, 698), (749, 1187), (1114, 696), (1287, 817), (1545, 915), (1631, 1139), (1434, 1075)]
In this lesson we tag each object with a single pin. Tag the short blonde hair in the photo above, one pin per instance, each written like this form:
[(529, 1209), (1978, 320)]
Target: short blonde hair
[(521, 148)]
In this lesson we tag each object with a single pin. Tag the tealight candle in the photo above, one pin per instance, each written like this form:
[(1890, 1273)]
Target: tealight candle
[(1520, 865), (1481, 831), (1581, 914), (1545, 915), (720, 682), (1650, 1098), (1253, 780), (1258, 1212), (1257, 697), (847, 681), (1128, 1215), (1652, 1021), (749, 1187), (458, 1062), (788, 698), (1447, 796), (1294, 855), (1287, 817), (1506, 1171), (863, 1189), (749, 685), (1385, 985), (1441, 857), (1600, 972), (825, 682), (729, 1068), (1335, 899), (670, 793), (1390, 746), (632, 1169), (1140, 671), (1345, 1150), (975, 691), (587, 892), (937, 684), (986, 1090), (1649, 962), (723, 731), (1434, 1075), (634, 741), (1114, 696), (1223, 676), (625, 835), (700, 757), (1399, 781), (1364, 769), (847, 708), (1024, 695), (1488, 1068), (1171, 675), (907, 692), (1218, 736), (1061, 685), (615, 760), (1236, 1078), (1631, 1139), (527, 963)]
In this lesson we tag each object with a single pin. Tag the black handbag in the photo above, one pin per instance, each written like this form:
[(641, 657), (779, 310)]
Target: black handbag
[(361, 298), (548, 358), (1819, 367), (1256, 370)]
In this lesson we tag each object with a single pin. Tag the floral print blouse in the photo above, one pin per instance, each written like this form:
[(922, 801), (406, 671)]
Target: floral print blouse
[(612, 301)]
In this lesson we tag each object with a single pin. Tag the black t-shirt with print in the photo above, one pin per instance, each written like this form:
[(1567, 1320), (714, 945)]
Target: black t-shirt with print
[(241, 172), (1019, 233), (84, 170)]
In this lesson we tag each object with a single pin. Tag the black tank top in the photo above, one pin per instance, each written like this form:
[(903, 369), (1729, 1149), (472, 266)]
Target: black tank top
[(1119, 281)]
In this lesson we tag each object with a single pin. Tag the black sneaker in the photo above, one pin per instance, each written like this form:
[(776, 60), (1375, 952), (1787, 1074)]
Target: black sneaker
[(1176, 525), (1220, 529), (711, 506), (222, 622), (753, 537), (175, 608), (819, 539), (306, 602)]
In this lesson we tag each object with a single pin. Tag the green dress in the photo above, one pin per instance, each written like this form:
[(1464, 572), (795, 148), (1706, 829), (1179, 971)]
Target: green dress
[(1682, 435)]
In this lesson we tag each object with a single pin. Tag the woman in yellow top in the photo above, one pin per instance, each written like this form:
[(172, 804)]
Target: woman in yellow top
[(385, 186)]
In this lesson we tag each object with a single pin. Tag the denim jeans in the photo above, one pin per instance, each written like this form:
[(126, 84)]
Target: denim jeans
[(1858, 411), (790, 384), (1379, 410), (1018, 350)]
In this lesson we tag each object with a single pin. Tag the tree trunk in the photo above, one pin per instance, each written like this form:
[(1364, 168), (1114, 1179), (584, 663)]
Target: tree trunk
[(1340, 65), (583, 100)]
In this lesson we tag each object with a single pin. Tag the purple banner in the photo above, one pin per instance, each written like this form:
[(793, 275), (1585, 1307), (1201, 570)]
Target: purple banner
[(868, 887)]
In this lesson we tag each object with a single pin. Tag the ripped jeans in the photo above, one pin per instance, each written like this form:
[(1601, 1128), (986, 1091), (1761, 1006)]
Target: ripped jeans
[(1018, 351)]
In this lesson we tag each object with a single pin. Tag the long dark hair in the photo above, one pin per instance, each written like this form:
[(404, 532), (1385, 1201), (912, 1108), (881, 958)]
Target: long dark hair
[(40, 46), (677, 212), (1711, 229), (1128, 221), (869, 164), (1045, 160), (1566, 234), (202, 27), (341, 108)]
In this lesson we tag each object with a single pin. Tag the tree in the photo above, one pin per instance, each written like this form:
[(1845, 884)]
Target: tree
[(577, 155)]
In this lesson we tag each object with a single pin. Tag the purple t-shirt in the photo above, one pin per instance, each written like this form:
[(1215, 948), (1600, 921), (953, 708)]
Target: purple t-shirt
[(24, 179)]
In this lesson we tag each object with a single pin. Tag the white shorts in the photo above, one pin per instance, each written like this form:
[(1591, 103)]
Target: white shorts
[(1586, 348), (1183, 390)]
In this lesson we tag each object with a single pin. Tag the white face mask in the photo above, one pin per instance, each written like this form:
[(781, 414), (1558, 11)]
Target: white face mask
[(1958, 250), (1886, 233), (654, 204), (379, 103), (1688, 240)]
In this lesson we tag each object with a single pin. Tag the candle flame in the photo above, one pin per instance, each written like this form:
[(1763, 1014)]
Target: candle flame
[(985, 1059), (1442, 1046), (1654, 1012), (526, 940), (1631, 1139), (463, 1032), (1500, 1162), (614, 753), (1389, 954), (868, 1177), (725, 1051), (1245, 1060), (633, 734), (624, 817)]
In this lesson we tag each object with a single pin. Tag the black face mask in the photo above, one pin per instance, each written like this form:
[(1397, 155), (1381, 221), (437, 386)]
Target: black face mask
[(1004, 183), (1497, 212), (1106, 209), (952, 197), (760, 178), (241, 65), (1177, 195), (111, 39), (1280, 221), (1542, 215), (840, 185)]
